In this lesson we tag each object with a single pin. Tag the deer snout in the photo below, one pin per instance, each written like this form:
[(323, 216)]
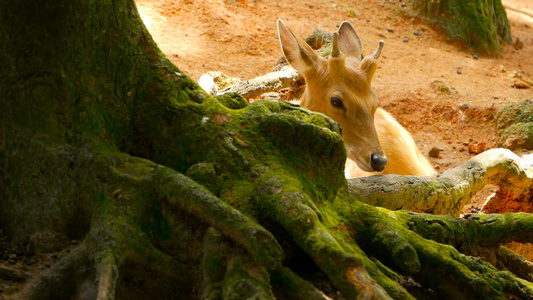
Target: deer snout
[(378, 161)]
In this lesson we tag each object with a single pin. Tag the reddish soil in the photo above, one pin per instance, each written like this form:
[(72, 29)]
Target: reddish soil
[(239, 38)]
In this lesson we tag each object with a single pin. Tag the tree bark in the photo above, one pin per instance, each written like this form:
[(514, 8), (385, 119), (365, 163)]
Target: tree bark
[(172, 192), (480, 24)]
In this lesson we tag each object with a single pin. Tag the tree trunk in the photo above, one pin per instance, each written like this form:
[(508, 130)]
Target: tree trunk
[(172, 193), (480, 24)]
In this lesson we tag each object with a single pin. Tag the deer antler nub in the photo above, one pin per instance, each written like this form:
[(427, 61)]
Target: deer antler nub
[(378, 50), (335, 53)]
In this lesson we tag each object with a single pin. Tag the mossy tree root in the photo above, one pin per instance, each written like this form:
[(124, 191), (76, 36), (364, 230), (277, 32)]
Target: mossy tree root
[(478, 235), (394, 240), (472, 230), (344, 263), (119, 236), (196, 199), (453, 189)]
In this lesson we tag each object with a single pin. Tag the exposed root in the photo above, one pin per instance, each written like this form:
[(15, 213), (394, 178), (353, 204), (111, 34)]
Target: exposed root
[(471, 231), (453, 189), (229, 273), (194, 198), (291, 286), (515, 263), (13, 274), (106, 276), (418, 257), (64, 279), (263, 84), (340, 262)]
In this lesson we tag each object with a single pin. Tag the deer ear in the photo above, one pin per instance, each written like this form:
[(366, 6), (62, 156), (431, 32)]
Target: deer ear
[(298, 53), (349, 43)]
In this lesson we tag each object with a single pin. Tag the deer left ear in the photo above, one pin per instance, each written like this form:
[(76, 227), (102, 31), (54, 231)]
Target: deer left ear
[(298, 53)]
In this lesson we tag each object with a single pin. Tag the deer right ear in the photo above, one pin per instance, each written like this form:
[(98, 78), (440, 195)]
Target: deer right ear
[(298, 53), (349, 42)]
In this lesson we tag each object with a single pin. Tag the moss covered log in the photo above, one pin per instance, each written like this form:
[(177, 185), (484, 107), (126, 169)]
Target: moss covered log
[(169, 191)]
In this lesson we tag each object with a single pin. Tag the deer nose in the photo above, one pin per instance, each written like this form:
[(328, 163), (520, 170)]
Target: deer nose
[(378, 162)]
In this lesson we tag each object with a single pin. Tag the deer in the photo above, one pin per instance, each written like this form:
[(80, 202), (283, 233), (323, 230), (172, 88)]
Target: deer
[(340, 87)]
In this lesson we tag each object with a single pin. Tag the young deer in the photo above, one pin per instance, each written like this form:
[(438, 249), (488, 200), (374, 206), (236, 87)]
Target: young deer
[(339, 87)]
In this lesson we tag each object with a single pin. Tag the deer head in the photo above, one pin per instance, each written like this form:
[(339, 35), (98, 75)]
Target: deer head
[(340, 87)]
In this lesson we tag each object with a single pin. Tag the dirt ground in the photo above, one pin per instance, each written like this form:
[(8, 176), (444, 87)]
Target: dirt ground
[(239, 38)]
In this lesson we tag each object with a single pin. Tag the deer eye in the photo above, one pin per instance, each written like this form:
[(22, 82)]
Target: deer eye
[(337, 102)]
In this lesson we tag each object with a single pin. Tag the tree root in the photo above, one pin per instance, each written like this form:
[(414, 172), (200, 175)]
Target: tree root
[(450, 191), (13, 274), (393, 242), (63, 280), (344, 264), (263, 84), (194, 198), (515, 263), (359, 247), (472, 230), (240, 258), (230, 274), (291, 286)]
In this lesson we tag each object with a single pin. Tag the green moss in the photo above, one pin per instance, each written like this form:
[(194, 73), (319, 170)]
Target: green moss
[(233, 101), (515, 125), (481, 24), (206, 174), (240, 284)]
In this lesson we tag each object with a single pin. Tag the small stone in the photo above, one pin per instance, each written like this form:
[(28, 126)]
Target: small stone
[(473, 210), (459, 70), (403, 4), (48, 265), (474, 56), (440, 86), (389, 29), (417, 33), (520, 84), (434, 152), (406, 39), (464, 106), (518, 44), (476, 148)]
